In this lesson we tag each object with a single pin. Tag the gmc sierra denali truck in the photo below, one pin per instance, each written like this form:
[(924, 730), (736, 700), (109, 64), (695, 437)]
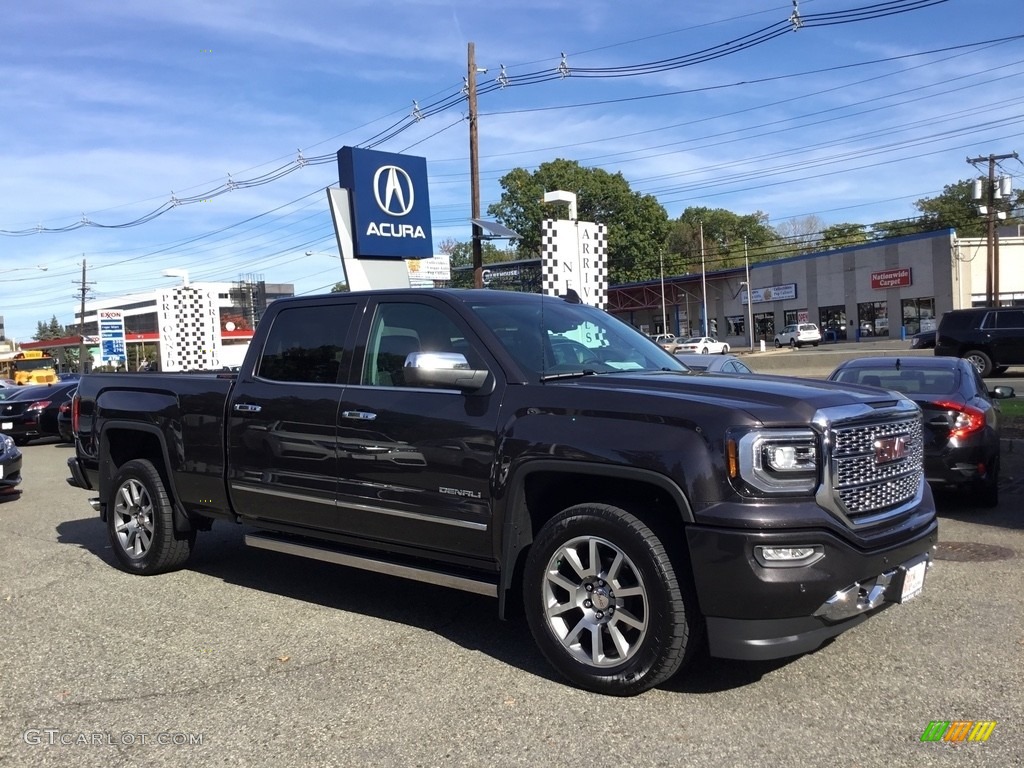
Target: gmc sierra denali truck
[(536, 450)]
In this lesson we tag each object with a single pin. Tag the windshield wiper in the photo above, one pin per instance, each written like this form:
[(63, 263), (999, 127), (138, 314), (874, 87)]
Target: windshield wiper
[(569, 375)]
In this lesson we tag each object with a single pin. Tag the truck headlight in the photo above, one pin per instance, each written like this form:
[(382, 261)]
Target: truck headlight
[(776, 461)]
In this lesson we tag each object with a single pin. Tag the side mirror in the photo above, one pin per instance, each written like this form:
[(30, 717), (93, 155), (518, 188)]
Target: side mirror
[(445, 370), (1002, 392)]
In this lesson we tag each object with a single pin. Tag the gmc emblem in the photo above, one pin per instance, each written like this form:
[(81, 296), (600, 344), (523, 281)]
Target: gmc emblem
[(889, 449)]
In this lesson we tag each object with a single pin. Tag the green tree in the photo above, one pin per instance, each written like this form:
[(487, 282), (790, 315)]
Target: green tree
[(956, 209), (339, 287), (637, 224), (843, 235), (728, 238), (50, 330)]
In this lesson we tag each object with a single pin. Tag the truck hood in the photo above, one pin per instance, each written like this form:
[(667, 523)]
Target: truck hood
[(767, 399)]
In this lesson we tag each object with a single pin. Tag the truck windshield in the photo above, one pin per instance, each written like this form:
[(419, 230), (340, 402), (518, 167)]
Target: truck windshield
[(552, 337)]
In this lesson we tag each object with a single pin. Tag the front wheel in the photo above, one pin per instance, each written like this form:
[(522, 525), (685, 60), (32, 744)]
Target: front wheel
[(981, 361), (140, 522), (778, 344), (604, 602)]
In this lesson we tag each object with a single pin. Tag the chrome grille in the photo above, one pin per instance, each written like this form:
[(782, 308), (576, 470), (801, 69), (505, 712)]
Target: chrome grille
[(865, 488)]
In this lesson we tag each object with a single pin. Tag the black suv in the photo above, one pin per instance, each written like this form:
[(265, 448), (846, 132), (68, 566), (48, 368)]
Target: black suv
[(990, 338)]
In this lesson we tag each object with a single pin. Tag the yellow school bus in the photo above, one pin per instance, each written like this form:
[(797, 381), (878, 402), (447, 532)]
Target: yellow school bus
[(31, 366)]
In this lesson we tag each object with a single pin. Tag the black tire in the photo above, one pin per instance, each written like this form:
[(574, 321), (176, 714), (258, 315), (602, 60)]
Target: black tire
[(793, 344), (988, 489), (705, 351), (778, 343), (814, 343), (22, 440), (642, 636), (140, 522), (999, 370), (979, 360)]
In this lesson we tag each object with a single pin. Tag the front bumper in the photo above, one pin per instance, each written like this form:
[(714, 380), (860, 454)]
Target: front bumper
[(757, 612)]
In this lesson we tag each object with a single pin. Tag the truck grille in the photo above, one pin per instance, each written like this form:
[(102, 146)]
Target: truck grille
[(866, 481)]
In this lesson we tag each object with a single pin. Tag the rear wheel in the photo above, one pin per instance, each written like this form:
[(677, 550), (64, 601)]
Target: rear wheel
[(979, 360), (140, 522), (21, 440), (604, 602), (705, 351), (999, 370), (792, 344)]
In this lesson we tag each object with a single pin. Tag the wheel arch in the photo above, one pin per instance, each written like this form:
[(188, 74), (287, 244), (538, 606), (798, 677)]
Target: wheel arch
[(122, 441), (542, 488)]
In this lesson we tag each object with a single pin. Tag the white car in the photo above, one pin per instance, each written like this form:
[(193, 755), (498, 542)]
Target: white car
[(798, 334), (703, 345)]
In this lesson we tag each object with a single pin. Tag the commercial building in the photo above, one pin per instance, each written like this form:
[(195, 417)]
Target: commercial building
[(883, 289)]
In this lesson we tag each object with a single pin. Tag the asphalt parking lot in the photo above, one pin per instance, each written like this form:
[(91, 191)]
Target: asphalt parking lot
[(252, 658)]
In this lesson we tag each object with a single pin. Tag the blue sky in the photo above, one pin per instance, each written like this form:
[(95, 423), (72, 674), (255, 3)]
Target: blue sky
[(110, 107)]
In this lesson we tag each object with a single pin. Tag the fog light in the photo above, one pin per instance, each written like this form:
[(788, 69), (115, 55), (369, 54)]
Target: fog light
[(788, 557)]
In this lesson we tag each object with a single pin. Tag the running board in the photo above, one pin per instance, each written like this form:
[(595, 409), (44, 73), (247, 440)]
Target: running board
[(290, 547)]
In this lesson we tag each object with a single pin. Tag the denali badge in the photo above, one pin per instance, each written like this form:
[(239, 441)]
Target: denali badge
[(459, 492), (889, 449)]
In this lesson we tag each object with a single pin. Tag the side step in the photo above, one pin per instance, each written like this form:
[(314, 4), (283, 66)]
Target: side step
[(291, 547)]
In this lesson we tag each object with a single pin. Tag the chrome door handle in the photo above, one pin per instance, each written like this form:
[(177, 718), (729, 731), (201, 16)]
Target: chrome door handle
[(359, 415), (247, 408)]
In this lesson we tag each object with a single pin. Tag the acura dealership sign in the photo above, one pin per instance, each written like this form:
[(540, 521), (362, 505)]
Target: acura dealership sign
[(390, 203)]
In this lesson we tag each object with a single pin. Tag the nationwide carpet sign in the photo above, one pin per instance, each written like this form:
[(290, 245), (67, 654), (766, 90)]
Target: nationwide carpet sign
[(390, 203), (891, 278)]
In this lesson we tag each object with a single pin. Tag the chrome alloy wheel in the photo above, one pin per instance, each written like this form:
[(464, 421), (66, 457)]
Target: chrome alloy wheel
[(133, 518), (595, 601)]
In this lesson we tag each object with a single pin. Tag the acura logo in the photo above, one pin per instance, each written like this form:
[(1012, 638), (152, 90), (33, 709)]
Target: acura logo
[(889, 449), (392, 186)]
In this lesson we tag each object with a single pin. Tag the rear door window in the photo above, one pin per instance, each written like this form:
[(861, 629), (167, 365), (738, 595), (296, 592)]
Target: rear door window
[(307, 344)]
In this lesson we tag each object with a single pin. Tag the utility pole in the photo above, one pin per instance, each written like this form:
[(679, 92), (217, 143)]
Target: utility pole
[(83, 290), (474, 171), (992, 244)]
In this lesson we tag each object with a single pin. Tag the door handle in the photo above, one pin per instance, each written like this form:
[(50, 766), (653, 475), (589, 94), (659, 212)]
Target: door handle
[(358, 415), (247, 408)]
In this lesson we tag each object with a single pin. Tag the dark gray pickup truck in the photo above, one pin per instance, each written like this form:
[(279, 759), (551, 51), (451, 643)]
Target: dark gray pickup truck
[(535, 450)]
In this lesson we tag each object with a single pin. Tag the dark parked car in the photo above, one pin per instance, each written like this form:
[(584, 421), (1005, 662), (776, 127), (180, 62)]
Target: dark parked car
[(961, 417), (31, 412), (991, 338), (64, 418), (10, 468), (712, 363), (923, 340)]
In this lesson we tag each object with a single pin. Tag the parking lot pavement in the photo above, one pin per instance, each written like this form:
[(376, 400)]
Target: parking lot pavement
[(252, 658)]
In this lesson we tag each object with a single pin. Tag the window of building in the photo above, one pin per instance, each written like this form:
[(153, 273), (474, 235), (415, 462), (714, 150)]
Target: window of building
[(764, 324), (873, 318), (794, 316), (737, 325), (918, 315), (832, 321)]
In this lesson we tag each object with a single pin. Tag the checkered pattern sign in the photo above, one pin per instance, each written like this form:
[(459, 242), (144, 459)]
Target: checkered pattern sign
[(574, 255), (188, 319)]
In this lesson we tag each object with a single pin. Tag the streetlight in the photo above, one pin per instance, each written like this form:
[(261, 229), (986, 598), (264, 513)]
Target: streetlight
[(182, 273)]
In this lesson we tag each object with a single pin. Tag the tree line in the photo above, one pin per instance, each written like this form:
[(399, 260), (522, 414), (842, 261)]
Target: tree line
[(642, 239)]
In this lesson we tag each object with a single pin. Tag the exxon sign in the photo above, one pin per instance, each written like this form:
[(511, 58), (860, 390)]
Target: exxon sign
[(390, 203)]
